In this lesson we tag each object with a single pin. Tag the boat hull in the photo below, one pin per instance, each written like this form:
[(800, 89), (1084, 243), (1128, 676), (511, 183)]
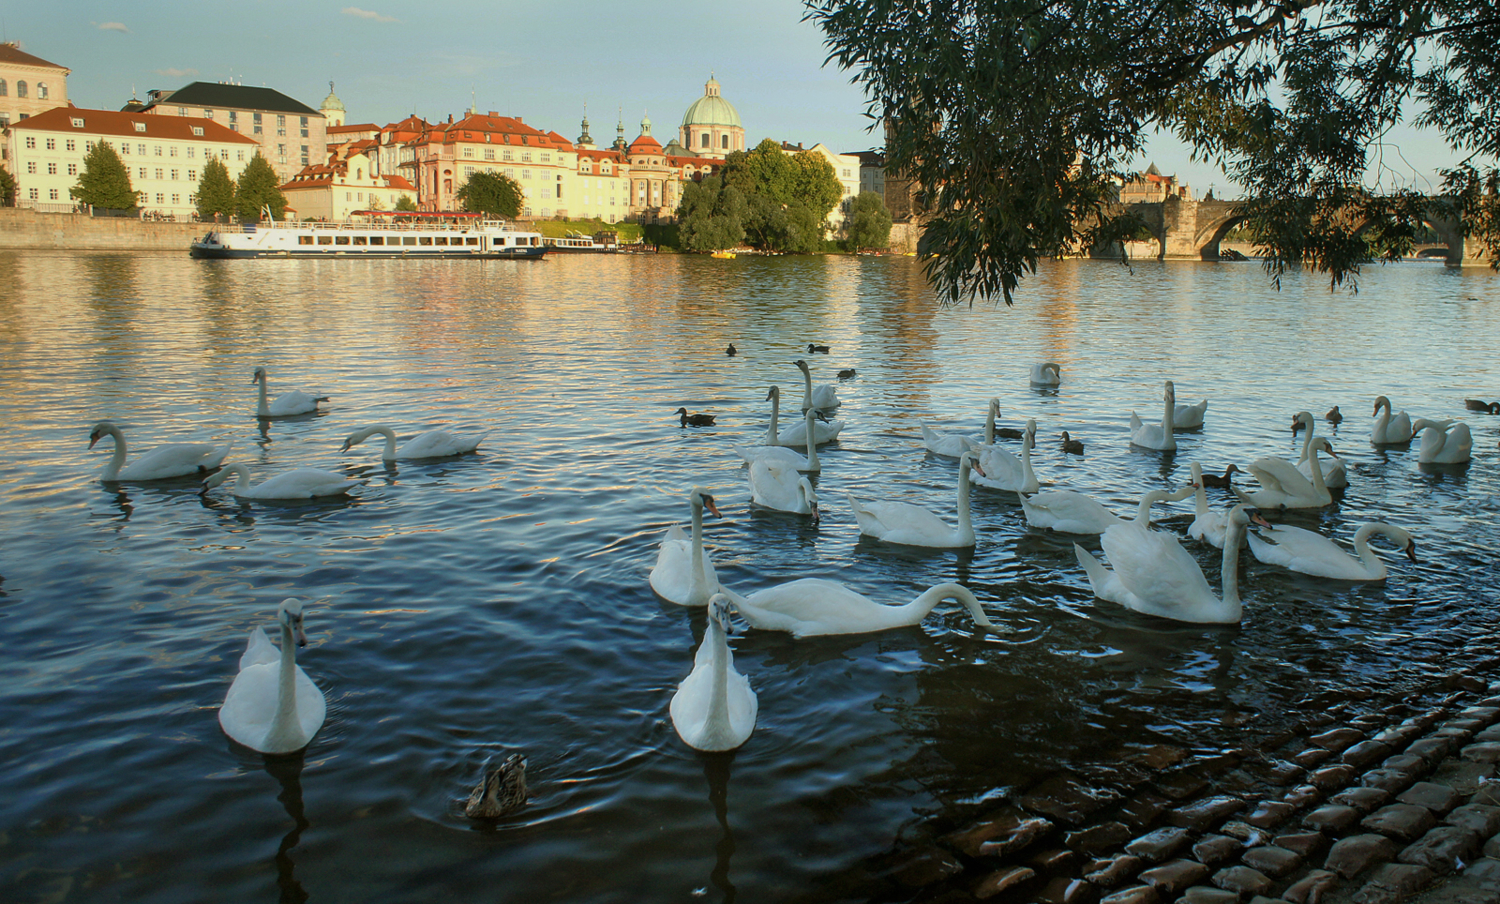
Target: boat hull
[(220, 252)]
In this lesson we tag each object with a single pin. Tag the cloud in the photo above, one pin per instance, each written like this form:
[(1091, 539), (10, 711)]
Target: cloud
[(367, 14), (177, 73), (112, 26)]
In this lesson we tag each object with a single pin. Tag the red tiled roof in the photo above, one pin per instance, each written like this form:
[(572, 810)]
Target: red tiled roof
[(10, 53), (115, 122), (358, 127), (398, 182), (645, 144)]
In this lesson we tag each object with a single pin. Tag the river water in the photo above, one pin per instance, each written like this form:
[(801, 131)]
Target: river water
[(464, 609)]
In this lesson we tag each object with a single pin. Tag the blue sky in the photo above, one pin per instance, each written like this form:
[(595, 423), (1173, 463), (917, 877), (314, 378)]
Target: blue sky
[(541, 61)]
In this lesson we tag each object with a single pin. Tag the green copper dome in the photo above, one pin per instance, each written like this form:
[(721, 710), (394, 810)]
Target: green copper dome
[(332, 102), (711, 109)]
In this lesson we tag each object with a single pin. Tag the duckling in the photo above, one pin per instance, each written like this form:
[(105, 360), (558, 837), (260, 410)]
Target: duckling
[(1481, 405), (731, 351), (847, 374), (695, 420), (817, 349), (1214, 480), (1071, 445), (500, 791), (1333, 416)]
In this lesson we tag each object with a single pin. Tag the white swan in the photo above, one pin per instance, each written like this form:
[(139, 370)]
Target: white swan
[(781, 487), (272, 706), (781, 455), (714, 707), (1312, 553), (1283, 486), (1048, 374), (948, 445), (298, 483), (1388, 430), (1157, 436), (1445, 442), (1189, 417), (684, 574), (1155, 575), (1336, 475), (166, 460), (824, 431), (824, 396), (1208, 524), (812, 606), (288, 403), (1001, 470), (1074, 513), (431, 444), (912, 525)]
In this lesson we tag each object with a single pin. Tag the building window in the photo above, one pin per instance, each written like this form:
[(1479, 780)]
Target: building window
[(52, 193), (161, 198), (140, 149), (240, 155), (158, 174), (4, 91), (177, 199), (182, 111), (190, 151), (525, 174), (546, 158), (20, 89), (51, 144), (51, 169), (174, 175), (208, 114), (31, 167), (31, 142), (256, 124), (707, 142), (724, 142), (71, 145), (505, 154), (192, 175), (35, 195), (72, 169), (304, 155), (41, 90), (468, 152), (197, 131), (304, 127), (173, 151), (142, 171), (525, 156), (468, 172), (158, 150)]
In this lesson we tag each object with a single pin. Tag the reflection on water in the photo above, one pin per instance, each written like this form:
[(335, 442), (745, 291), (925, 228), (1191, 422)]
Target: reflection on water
[(499, 601)]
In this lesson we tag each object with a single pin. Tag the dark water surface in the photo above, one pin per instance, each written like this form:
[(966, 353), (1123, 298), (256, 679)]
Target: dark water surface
[(464, 609)]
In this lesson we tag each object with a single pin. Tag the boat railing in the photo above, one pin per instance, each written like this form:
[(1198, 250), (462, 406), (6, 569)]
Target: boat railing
[(349, 226)]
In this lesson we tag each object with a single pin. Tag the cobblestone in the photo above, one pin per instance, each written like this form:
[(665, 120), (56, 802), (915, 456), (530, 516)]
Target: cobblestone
[(1352, 856), (1403, 822), (1171, 878), (1158, 845), (1437, 798), (1442, 849)]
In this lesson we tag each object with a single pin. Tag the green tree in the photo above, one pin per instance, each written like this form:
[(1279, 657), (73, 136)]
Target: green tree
[(710, 216), (406, 204), (104, 181), (868, 224), (7, 188), (257, 189), (787, 197), (492, 194), (215, 191), (1012, 118), (815, 183)]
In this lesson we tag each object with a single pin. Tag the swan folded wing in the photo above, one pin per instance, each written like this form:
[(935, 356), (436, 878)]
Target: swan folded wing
[(175, 460), (1280, 475), (814, 606), (293, 401), (776, 486), (437, 444), (823, 432), (250, 706), (1187, 417), (1306, 552), (1154, 567), (892, 520), (949, 445), (259, 651), (1104, 583), (1002, 470), (1209, 528), (691, 705), (772, 454), (303, 483), (1068, 512)]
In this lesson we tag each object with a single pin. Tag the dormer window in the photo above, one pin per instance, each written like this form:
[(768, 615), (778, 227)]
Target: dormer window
[(140, 126), (77, 122), (198, 130)]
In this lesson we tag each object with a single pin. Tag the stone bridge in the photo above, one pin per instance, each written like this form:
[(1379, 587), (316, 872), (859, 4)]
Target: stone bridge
[(1192, 230)]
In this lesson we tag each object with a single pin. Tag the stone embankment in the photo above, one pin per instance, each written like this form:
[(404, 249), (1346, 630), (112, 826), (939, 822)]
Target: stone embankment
[(28, 230), (1375, 807)]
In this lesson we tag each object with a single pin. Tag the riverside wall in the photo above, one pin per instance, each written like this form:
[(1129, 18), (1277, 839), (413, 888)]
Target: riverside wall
[(22, 229)]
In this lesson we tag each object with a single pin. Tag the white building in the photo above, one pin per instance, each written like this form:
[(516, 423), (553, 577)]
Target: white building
[(347, 183), (164, 156)]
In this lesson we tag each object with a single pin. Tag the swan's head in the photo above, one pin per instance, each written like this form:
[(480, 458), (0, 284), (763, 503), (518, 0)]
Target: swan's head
[(970, 461), (1322, 444), (719, 609), (1380, 401), (260, 375), (290, 616), (1240, 518), (801, 365), (774, 393), (1411, 547), (700, 497), (811, 495), (1171, 393), (100, 431)]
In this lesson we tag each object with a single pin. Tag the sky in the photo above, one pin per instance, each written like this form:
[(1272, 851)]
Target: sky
[(540, 61)]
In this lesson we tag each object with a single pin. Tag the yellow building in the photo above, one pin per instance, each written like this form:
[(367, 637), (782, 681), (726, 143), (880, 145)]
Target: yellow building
[(347, 183), (28, 85), (291, 134), (164, 156)]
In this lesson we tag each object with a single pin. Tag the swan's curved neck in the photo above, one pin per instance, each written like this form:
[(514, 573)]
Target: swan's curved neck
[(263, 410), (812, 447), (390, 439), (917, 609), (807, 401), (1200, 498), (1316, 466), (284, 724), (241, 476), (965, 526), (116, 460), (1028, 476), (1234, 535), (1368, 559), (1307, 442), (775, 414), (1143, 512)]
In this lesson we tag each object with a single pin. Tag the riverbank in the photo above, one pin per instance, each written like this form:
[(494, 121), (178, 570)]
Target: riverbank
[(27, 230), (1375, 802)]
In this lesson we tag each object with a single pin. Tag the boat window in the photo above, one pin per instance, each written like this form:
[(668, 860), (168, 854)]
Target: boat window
[(304, 240), (471, 241), (377, 240), (341, 240), (424, 240), (500, 242), (360, 240), (441, 240), (325, 240), (408, 240)]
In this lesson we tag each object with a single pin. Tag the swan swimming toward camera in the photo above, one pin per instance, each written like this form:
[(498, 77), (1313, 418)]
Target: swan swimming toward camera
[(289, 403), (1157, 436), (1155, 575), (1388, 430), (1312, 553), (298, 483), (684, 574), (999, 469), (714, 707), (431, 444), (272, 706), (161, 463), (813, 607), (912, 525)]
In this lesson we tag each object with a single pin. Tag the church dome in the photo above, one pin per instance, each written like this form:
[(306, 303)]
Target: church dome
[(331, 102), (711, 110)]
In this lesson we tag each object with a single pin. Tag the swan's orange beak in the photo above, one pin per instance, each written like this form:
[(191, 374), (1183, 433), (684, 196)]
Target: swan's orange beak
[(93, 438), (1256, 518), (708, 503)]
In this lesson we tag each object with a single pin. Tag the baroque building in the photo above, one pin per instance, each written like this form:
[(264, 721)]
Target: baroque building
[(711, 126), (291, 134)]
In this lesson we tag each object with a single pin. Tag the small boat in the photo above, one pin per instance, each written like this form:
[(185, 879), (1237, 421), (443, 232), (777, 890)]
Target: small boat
[(374, 233), (723, 255)]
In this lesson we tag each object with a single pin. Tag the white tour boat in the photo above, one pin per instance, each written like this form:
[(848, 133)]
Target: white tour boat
[(375, 234)]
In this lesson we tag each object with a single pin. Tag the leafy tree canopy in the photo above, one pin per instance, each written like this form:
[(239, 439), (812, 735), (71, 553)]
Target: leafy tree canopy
[(258, 188), (710, 217), (868, 224), (492, 194), (1011, 118), (104, 181), (215, 191), (779, 200), (7, 188), (406, 204)]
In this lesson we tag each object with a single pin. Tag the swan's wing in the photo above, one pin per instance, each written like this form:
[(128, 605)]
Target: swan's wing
[(1399, 428), (1303, 551), (1105, 583), (884, 520), (1154, 567), (1067, 511), (1189, 416), (1135, 422), (312, 709), (174, 460), (950, 445), (1209, 529), (259, 651), (293, 401), (432, 444), (250, 704), (776, 486), (672, 577), (825, 395), (1280, 475), (1002, 469), (752, 454), (303, 483), (813, 606)]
